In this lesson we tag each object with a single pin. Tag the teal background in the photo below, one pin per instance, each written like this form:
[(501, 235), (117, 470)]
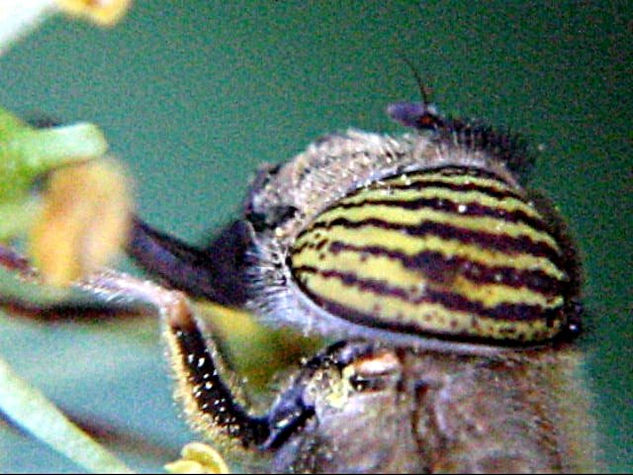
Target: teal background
[(194, 95)]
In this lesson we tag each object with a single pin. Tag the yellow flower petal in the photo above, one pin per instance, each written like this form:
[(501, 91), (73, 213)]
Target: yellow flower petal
[(198, 458), (102, 12), (84, 221)]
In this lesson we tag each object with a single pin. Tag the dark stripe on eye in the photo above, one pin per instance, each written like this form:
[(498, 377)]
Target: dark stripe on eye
[(449, 300), (435, 265), (419, 184), (471, 208), (486, 240), (459, 171), (509, 336)]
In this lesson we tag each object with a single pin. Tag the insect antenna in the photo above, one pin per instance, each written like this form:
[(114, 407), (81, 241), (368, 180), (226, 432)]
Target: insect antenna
[(419, 115), (508, 147), (425, 91)]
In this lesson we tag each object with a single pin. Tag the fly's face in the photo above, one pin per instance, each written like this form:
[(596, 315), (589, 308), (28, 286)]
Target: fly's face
[(379, 409)]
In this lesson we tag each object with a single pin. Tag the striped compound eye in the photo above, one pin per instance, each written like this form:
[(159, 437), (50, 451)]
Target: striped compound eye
[(448, 251), (414, 239)]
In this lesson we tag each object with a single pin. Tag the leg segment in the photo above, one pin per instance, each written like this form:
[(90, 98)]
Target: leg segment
[(210, 402), (215, 273)]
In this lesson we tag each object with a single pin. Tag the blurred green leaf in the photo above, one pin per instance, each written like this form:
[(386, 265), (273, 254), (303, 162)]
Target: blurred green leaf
[(27, 153)]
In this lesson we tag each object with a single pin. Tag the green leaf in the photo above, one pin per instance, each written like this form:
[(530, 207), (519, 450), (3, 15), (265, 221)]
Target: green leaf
[(26, 153), (16, 217)]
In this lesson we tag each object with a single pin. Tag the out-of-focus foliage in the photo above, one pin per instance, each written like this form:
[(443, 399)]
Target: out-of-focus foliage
[(102, 12), (28, 154), (83, 223), (79, 222), (33, 412), (75, 226), (18, 17)]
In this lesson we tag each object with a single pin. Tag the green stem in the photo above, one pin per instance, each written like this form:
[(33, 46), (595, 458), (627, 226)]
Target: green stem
[(43, 149), (30, 409)]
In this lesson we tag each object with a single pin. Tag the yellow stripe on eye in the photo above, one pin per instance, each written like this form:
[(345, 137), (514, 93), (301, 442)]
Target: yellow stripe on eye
[(428, 317), (465, 179), (508, 204), (407, 217), (391, 270), (411, 245)]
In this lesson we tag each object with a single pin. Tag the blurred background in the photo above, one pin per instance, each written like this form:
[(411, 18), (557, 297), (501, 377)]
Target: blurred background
[(194, 95)]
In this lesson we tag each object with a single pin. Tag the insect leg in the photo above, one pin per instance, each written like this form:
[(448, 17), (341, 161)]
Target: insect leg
[(214, 273), (209, 401)]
